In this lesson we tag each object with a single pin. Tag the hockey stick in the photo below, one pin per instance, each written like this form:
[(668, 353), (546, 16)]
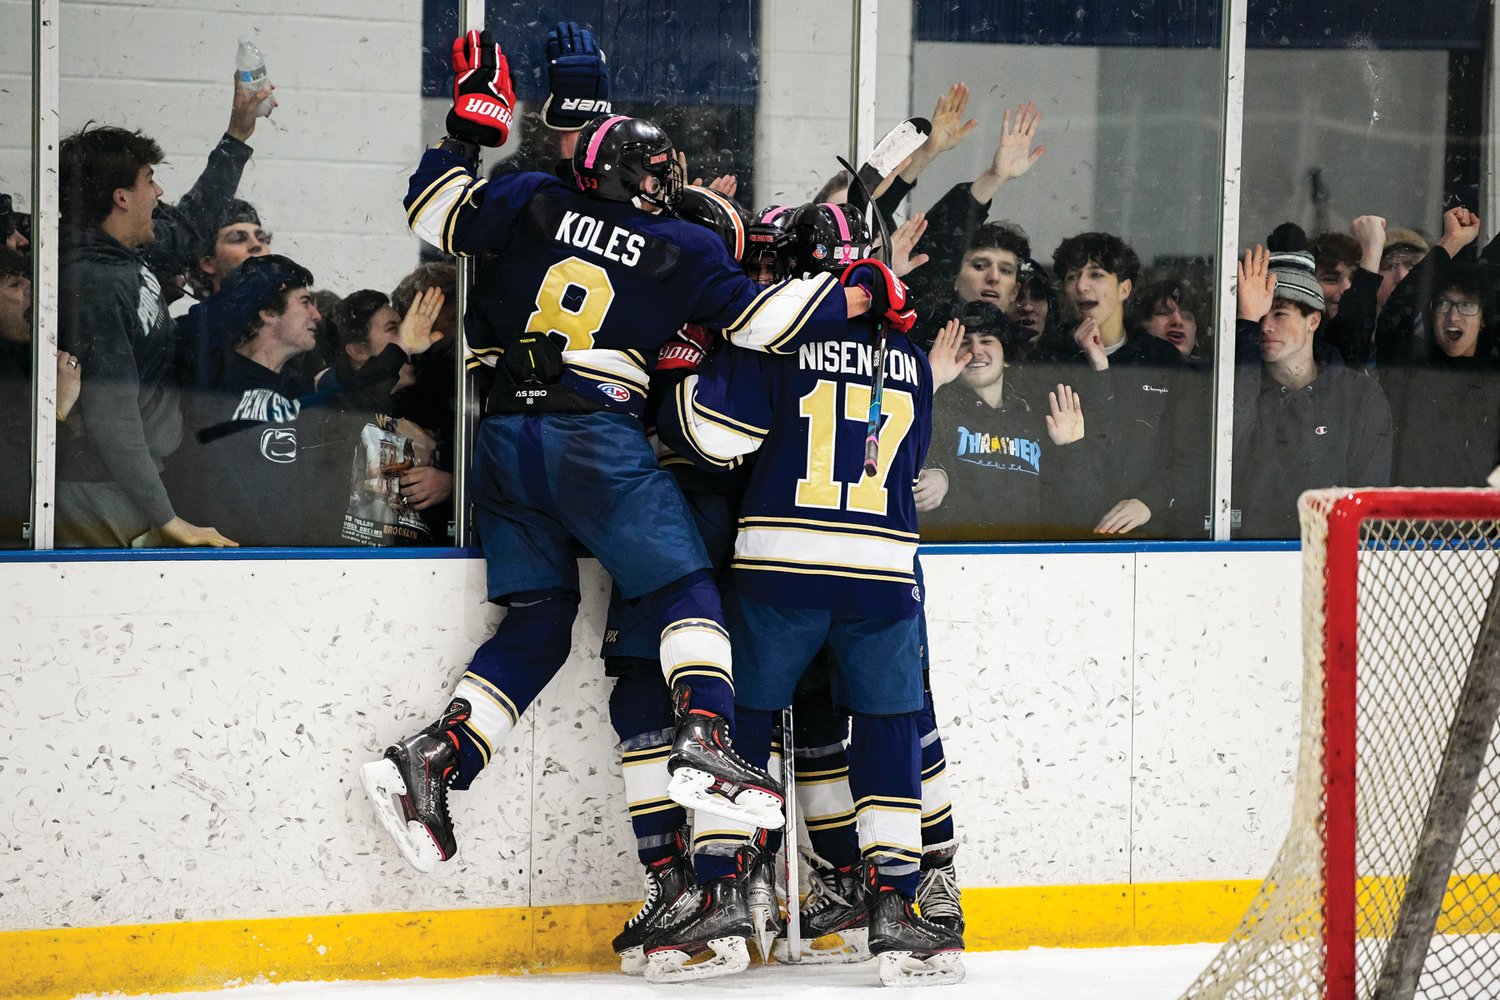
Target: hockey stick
[(789, 840), (893, 147), (877, 360)]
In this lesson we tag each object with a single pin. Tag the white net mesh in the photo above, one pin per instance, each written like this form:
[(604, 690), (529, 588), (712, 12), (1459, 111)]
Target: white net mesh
[(1422, 598)]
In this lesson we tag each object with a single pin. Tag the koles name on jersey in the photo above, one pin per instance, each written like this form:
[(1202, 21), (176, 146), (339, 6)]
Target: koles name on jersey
[(588, 233)]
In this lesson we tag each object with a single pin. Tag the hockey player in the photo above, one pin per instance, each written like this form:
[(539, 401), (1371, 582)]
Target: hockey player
[(640, 705), (591, 285), (825, 555)]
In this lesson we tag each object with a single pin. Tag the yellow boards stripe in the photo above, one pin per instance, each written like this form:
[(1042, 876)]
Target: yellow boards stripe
[(61, 963)]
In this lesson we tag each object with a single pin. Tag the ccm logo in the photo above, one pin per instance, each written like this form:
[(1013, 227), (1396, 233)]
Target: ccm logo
[(584, 104), (488, 108)]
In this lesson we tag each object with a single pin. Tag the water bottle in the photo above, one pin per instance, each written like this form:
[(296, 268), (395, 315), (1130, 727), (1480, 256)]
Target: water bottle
[(250, 67)]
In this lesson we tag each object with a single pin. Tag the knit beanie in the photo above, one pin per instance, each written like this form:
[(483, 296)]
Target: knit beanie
[(1296, 278)]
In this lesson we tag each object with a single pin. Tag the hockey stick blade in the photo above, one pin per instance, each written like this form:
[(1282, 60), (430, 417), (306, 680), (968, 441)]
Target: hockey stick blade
[(895, 146)]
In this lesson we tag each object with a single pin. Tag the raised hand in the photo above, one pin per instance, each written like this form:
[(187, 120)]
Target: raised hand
[(1460, 228), (1255, 287), (1369, 232), (948, 125), (1014, 156), (416, 334), (245, 108), (903, 241), (948, 356), (1065, 416)]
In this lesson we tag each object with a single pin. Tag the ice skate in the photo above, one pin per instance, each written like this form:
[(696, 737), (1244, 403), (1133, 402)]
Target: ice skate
[(766, 918), (409, 789), (834, 917), (702, 935), (707, 774), (913, 951), (938, 896), (665, 881)]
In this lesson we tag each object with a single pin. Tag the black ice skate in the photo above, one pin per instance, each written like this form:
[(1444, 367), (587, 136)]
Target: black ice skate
[(913, 951), (707, 774), (757, 872), (834, 923), (701, 936), (409, 789), (938, 897), (665, 881)]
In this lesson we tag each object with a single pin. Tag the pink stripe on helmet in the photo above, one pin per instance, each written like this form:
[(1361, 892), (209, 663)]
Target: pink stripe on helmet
[(599, 134), (843, 222), (771, 214)]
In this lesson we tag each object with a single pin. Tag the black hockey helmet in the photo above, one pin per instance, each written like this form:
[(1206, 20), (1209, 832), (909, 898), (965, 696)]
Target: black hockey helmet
[(827, 237), (714, 211), (615, 155)]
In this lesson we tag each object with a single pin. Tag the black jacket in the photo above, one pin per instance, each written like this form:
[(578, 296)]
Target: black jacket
[(1141, 428), (15, 441), (1333, 432)]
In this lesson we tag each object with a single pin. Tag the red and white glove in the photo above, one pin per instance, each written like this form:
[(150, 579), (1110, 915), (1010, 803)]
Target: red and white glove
[(483, 98), (888, 293), (685, 351)]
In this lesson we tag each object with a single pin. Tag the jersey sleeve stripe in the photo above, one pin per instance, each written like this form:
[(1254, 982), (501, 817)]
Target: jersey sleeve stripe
[(779, 313), (467, 201), (430, 217), (419, 203)]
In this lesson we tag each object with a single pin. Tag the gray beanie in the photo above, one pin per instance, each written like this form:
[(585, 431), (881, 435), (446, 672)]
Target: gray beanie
[(1297, 278)]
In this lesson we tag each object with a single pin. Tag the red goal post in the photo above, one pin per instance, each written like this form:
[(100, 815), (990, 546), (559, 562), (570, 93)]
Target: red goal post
[(1388, 883)]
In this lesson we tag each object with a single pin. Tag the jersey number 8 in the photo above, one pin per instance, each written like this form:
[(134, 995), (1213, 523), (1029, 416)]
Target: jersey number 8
[(573, 300)]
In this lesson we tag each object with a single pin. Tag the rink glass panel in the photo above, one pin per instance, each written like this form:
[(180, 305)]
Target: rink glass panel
[(745, 89), (1131, 104), (1382, 111), (16, 406)]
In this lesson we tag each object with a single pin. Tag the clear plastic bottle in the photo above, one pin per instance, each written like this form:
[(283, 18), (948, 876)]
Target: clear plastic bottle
[(250, 66)]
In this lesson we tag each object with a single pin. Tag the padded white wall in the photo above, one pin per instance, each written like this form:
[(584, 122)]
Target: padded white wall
[(182, 736), (331, 163)]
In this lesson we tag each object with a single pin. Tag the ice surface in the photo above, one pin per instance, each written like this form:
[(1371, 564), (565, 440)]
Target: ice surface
[(1036, 974)]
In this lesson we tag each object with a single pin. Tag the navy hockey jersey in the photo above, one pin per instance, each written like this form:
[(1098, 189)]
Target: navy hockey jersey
[(611, 281), (815, 532)]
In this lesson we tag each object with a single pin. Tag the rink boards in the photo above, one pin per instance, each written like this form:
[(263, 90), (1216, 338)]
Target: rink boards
[(182, 735)]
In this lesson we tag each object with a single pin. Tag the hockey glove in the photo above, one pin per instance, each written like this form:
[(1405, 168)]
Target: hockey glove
[(685, 351), (483, 98), (888, 293), (577, 79)]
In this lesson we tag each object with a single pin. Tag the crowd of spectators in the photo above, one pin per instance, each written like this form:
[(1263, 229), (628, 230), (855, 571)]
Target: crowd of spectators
[(272, 412), (266, 412)]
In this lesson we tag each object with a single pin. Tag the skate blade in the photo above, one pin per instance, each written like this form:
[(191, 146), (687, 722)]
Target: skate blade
[(846, 947), (766, 931), (383, 784), (902, 968), (633, 961), (691, 789), (720, 957)]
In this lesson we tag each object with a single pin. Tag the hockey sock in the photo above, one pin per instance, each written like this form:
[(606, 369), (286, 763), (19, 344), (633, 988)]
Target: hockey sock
[(694, 644), (823, 779), (937, 802), (640, 710), (885, 778), (716, 840), (509, 671)]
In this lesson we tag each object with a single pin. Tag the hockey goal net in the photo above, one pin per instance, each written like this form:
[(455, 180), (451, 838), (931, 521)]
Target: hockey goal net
[(1388, 883)]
